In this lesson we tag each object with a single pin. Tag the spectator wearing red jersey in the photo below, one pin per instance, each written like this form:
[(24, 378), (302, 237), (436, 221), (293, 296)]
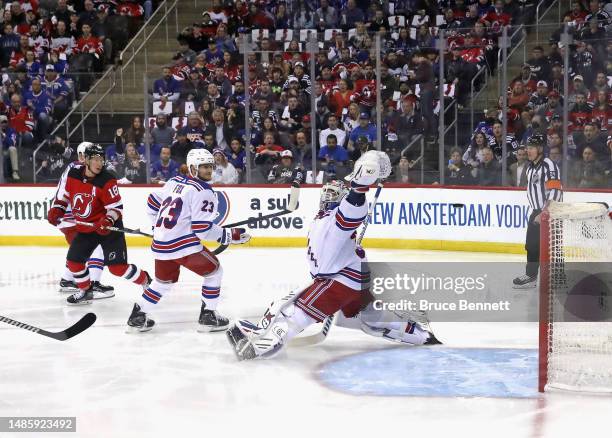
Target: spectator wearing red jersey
[(259, 18), (577, 14), (602, 111), (527, 78), (580, 113), (496, 19), (18, 55), (91, 46), (472, 53), (344, 64), (341, 98), (518, 97), (268, 153), (21, 121), (365, 89)]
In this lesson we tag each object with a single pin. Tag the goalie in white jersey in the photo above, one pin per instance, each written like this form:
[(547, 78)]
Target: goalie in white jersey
[(182, 213), (340, 276), (95, 264)]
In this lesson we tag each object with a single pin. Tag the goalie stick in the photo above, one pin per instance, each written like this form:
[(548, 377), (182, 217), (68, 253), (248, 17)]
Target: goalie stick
[(80, 326)]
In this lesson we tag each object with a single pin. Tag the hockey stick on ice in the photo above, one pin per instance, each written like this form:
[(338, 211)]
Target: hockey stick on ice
[(329, 321), (118, 229), (80, 326), (291, 207)]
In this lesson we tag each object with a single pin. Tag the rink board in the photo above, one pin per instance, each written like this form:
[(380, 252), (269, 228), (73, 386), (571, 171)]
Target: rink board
[(408, 217)]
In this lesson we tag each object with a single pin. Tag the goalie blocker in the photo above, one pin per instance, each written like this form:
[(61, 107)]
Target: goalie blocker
[(339, 272)]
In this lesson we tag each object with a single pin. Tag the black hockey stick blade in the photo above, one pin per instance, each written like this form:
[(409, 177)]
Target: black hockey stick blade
[(80, 326)]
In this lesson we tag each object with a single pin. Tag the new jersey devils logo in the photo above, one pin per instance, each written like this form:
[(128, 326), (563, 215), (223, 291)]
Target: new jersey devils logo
[(81, 205)]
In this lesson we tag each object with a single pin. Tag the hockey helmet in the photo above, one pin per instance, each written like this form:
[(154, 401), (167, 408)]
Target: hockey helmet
[(197, 157), (82, 147), (94, 150), (331, 194)]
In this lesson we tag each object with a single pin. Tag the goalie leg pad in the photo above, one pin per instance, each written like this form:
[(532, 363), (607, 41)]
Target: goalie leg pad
[(251, 341)]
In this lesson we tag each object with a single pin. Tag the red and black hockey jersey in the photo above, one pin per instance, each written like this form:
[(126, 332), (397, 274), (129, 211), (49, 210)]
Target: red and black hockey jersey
[(90, 198)]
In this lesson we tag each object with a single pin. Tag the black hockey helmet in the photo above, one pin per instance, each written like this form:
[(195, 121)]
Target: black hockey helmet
[(536, 140), (94, 150)]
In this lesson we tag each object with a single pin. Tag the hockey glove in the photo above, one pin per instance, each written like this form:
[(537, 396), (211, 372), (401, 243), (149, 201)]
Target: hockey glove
[(55, 215), (240, 236), (235, 236), (101, 225)]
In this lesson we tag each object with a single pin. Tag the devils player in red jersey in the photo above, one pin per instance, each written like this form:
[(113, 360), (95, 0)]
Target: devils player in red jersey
[(92, 192)]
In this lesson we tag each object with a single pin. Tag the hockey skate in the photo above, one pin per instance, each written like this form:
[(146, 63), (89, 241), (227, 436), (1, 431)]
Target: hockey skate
[(139, 322), (525, 282), (68, 286), (101, 291), (81, 297), (211, 321)]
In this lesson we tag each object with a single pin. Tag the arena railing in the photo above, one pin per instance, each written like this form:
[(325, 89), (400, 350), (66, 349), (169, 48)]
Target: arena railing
[(542, 9), (105, 85), (64, 125), (139, 42)]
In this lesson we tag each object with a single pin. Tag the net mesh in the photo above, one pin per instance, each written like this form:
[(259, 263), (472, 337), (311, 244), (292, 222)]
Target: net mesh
[(579, 350)]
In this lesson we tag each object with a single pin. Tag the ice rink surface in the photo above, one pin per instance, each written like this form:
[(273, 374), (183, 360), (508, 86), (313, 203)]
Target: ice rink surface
[(175, 382)]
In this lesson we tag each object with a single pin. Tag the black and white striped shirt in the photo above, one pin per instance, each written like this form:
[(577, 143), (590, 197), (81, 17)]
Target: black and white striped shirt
[(543, 183)]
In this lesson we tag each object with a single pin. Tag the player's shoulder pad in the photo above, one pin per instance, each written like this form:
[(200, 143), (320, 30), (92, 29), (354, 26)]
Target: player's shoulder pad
[(104, 177), (75, 172), (195, 183)]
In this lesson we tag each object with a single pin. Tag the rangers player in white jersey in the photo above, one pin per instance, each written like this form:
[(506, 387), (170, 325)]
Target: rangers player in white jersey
[(95, 264), (182, 213), (340, 277)]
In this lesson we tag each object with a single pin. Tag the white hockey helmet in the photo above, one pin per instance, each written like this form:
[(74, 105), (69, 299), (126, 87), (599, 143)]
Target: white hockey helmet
[(81, 149), (331, 194), (197, 157)]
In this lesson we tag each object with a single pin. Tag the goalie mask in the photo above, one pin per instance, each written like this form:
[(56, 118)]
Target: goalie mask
[(331, 195)]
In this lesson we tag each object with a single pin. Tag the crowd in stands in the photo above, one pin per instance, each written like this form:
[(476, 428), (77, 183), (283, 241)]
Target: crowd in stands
[(50, 51), (535, 107), (198, 99)]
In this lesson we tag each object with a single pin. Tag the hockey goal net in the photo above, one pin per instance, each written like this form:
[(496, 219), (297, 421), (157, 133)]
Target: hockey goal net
[(575, 302)]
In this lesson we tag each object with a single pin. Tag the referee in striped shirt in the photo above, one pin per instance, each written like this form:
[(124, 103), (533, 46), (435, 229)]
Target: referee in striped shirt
[(543, 186)]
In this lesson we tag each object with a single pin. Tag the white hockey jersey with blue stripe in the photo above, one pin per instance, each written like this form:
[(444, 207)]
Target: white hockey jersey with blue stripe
[(61, 195), (332, 249), (182, 213)]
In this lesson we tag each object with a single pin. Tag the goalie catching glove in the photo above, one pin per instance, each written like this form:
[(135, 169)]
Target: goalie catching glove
[(235, 236), (370, 167)]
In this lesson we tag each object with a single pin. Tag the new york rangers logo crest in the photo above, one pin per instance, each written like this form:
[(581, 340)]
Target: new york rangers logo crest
[(223, 208), (81, 205)]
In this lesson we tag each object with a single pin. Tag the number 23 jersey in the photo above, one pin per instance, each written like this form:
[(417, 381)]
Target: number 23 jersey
[(182, 213)]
